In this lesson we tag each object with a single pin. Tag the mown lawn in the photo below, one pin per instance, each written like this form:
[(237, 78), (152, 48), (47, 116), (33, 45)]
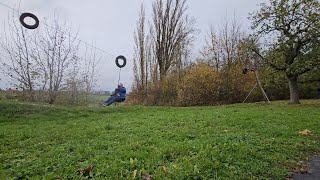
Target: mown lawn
[(251, 141)]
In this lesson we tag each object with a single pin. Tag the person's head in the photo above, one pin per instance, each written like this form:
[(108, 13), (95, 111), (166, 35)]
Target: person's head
[(120, 85)]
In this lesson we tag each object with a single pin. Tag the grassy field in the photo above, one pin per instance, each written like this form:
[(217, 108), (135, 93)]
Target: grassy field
[(251, 141)]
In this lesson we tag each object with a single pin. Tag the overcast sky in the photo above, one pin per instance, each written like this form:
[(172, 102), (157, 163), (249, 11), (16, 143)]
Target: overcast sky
[(110, 24)]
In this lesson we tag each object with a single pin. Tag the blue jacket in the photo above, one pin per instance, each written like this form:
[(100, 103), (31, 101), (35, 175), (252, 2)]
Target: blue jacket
[(122, 93)]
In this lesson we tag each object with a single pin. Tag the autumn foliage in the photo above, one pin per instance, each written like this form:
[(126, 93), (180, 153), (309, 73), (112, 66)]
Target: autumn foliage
[(199, 85)]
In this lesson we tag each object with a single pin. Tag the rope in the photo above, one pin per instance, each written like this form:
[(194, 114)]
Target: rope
[(119, 76)]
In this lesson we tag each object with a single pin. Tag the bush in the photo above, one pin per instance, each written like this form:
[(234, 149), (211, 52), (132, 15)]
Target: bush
[(200, 86), (159, 93), (203, 85), (236, 85)]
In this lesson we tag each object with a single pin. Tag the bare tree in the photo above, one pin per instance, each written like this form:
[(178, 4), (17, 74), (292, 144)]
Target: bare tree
[(90, 62), (47, 59), (151, 59), (74, 83), (136, 80), (171, 27), (181, 57), (222, 47), (212, 50), (140, 61), (56, 50), (231, 36), (17, 62)]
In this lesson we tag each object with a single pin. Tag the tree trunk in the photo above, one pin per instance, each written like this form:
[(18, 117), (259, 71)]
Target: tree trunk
[(294, 90), (162, 72)]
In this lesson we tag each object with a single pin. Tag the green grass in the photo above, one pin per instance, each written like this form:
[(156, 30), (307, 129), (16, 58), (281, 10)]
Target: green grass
[(251, 141)]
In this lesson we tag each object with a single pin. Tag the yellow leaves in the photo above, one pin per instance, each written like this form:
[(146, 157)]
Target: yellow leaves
[(135, 173), (305, 132), (169, 167), (175, 166), (199, 86), (139, 173), (165, 169), (196, 169), (131, 161)]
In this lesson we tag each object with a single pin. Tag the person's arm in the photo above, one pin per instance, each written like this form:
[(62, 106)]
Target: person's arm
[(115, 92)]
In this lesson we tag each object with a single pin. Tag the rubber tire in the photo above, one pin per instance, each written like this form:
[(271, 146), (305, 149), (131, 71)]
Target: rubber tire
[(124, 61), (34, 17)]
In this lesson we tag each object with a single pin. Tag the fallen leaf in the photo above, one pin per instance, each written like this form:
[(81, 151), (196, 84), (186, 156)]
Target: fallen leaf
[(300, 163), (303, 170), (131, 161), (135, 173), (305, 132), (164, 168), (86, 172), (146, 176)]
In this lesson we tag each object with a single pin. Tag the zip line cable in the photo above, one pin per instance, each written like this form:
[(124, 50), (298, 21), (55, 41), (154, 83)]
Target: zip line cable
[(80, 40), (9, 7)]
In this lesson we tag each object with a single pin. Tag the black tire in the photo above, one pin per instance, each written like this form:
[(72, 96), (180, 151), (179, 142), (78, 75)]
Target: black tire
[(34, 17), (124, 61)]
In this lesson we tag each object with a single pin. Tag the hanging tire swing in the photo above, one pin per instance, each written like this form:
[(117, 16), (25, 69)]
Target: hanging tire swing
[(121, 65), (34, 17), (123, 59)]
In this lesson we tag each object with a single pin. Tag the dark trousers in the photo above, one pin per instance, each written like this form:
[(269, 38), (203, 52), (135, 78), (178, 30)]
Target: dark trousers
[(113, 99)]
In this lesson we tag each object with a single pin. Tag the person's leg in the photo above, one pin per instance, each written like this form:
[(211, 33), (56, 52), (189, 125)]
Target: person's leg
[(115, 99), (108, 100), (112, 100)]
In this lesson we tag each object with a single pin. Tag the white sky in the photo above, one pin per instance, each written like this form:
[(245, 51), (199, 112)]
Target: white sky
[(110, 24)]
